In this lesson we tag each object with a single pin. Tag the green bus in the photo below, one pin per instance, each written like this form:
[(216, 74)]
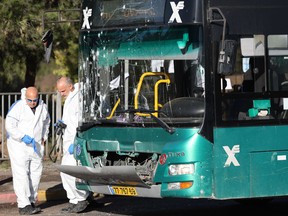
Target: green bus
[(183, 98)]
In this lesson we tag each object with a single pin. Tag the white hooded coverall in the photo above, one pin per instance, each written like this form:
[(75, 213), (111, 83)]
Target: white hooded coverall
[(70, 118), (26, 164)]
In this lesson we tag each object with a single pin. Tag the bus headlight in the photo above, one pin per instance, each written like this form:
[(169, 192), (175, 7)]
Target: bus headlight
[(181, 169), (179, 185)]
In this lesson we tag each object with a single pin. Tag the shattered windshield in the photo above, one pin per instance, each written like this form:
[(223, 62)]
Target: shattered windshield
[(128, 75)]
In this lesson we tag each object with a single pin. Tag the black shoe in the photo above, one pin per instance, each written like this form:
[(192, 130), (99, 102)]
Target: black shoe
[(93, 202), (29, 210), (90, 198), (34, 206), (96, 204), (80, 206), (68, 208)]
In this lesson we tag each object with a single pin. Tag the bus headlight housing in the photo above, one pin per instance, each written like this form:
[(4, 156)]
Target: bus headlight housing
[(181, 169)]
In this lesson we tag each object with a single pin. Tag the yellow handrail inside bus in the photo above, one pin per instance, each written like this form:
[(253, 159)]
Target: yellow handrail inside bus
[(113, 110), (156, 93), (136, 98)]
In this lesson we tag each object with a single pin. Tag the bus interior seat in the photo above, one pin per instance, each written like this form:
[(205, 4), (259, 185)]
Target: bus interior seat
[(260, 110)]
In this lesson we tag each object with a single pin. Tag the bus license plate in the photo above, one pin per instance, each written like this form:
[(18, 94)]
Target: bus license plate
[(125, 191)]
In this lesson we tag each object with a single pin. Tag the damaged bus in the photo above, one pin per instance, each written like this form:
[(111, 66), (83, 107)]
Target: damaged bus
[(183, 99)]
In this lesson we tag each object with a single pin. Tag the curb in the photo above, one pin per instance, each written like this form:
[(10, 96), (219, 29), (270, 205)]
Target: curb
[(43, 195), (8, 198), (49, 195)]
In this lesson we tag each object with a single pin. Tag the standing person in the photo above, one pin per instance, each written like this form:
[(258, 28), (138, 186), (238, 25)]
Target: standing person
[(27, 125), (77, 198)]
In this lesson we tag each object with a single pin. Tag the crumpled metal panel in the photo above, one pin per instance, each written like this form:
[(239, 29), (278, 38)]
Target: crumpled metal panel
[(116, 175)]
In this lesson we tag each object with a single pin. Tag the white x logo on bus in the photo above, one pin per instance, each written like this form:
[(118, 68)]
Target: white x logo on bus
[(231, 155), (176, 9), (86, 13)]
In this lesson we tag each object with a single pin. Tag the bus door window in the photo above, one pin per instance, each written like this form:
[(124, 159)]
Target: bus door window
[(247, 80), (263, 79), (278, 67)]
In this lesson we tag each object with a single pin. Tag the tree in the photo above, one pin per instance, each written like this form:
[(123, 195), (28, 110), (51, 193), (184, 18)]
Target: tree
[(65, 37), (21, 49)]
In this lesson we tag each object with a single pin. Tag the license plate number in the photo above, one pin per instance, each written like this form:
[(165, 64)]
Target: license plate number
[(125, 191)]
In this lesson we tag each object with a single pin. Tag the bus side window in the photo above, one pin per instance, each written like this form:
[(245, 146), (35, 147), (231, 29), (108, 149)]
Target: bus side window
[(248, 81), (254, 77)]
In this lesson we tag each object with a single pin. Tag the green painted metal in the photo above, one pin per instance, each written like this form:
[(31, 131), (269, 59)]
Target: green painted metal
[(196, 150), (81, 152), (256, 165), (254, 169), (184, 146), (130, 139)]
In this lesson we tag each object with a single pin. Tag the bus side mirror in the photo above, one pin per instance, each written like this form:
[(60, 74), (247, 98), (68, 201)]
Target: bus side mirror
[(227, 57)]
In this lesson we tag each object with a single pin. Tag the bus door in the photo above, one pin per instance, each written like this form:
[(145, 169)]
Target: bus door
[(250, 140)]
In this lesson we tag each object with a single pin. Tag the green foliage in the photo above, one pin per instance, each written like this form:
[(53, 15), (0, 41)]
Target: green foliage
[(21, 49), (65, 44), (17, 39)]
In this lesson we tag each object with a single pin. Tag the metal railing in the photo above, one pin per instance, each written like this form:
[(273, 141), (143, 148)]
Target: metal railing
[(54, 103)]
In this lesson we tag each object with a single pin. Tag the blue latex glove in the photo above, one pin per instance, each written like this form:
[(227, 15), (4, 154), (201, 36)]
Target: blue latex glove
[(59, 120), (34, 145), (27, 139), (71, 148)]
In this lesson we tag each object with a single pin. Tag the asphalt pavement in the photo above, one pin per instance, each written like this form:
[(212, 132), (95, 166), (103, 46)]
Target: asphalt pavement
[(50, 187)]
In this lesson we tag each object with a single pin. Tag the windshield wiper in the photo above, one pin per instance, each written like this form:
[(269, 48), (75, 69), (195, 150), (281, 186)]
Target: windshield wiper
[(100, 121), (165, 126)]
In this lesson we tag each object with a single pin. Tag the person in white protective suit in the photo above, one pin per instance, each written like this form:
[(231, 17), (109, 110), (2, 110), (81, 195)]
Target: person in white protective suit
[(27, 125), (78, 199)]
